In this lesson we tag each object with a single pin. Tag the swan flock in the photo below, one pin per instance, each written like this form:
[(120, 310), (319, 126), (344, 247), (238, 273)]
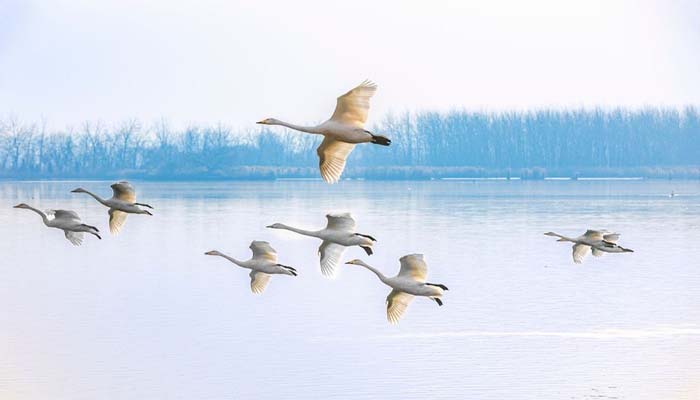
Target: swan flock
[(341, 133)]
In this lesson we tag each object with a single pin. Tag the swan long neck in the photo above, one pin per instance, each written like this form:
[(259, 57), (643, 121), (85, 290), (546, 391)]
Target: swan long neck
[(307, 129), (41, 213), (96, 197), (376, 271), (299, 231), (562, 237), (233, 260)]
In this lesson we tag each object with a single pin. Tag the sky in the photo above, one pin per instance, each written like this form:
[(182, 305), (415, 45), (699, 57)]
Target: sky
[(236, 62)]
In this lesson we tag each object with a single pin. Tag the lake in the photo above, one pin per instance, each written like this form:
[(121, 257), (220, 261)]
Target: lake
[(145, 315)]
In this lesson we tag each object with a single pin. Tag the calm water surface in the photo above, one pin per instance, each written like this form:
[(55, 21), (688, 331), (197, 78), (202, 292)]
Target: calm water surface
[(145, 315)]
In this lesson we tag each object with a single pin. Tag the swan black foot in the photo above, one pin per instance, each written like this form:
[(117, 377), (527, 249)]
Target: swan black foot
[(440, 285), (367, 250), (366, 236), (381, 140), (438, 301)]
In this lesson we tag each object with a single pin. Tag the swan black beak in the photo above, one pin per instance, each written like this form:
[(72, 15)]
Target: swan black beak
[(261, 122)]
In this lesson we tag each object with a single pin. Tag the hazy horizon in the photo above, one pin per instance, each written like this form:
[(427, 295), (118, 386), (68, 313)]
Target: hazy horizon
[(65, 62)]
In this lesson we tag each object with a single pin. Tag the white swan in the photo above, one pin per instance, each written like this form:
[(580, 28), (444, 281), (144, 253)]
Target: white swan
[(122, 203), (337, 235), (408, 283), (66, 220), (262, 265), (598, 242), (342, 131)]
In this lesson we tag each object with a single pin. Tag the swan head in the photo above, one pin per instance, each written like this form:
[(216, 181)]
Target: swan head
[(21, 205), (269, 121), (356, 261), (276, 226), (212, 253), (78, 190)]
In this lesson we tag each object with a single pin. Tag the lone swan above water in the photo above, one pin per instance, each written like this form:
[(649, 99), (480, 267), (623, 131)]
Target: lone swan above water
[(598, 242), (66, 220), (410, 282), (342, 131), (262, 265), (338, 234), (121, 204)]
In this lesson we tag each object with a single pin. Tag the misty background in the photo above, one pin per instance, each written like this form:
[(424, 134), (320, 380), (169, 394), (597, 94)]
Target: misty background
[(466, 88)]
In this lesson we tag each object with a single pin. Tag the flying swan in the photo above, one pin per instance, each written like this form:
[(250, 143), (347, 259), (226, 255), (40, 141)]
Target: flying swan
[(66, 220), (410, 282), (338, 234), (342, 131), (598, 242), (122, 203), (262, 265)]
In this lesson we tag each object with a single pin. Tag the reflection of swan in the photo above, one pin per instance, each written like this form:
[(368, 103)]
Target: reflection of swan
[(408, 283), (598, 242), (122, 203), (345, 129), (68, 221), (262, 265), (673, 194), (338, 234)]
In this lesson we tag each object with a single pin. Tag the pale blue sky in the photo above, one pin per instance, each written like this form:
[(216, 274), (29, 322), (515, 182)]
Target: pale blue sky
[(237, 62)]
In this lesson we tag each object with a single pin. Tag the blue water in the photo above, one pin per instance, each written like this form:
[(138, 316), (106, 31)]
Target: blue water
[(146, 315)]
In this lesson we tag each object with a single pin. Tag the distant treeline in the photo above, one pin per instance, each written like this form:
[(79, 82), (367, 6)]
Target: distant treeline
[(651, 142)]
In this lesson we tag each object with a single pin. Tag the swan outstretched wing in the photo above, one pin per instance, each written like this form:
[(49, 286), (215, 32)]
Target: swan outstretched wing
[(611, 237), (331, 158), (258, 281), (116, 220), (65, 214), (413, 267), (396, 304), (596, 252), (263, 251), (74, 237), (124, 191), (580, 251), (352, 107), (341, 222), (593, 234), (331, 255)]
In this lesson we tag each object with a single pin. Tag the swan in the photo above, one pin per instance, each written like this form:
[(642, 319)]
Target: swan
[(410, 282), (262, 265), (342, 131), (338, 234), (66, 220), (122, 203), (598, 242)]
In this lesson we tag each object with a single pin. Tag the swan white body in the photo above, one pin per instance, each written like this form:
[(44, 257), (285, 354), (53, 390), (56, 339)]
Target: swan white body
[(342, 131), (409, 282), (68, 221), (262, 265), (338, 234), (122, 203), (597, 241)]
